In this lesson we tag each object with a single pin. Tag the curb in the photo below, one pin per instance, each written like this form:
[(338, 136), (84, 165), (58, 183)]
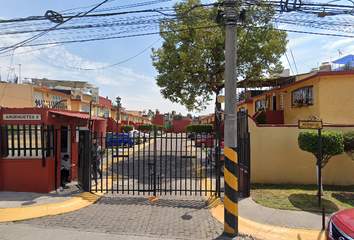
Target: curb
[(259, 230), (78, 202)]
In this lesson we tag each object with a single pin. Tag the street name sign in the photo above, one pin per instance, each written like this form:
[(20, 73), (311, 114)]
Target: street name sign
[(309, 124)]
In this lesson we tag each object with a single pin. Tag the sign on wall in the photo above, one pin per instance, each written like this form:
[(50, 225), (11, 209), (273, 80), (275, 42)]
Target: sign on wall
[(22, 117)]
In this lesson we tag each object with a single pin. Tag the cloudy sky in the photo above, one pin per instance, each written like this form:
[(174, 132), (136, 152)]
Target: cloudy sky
[(122, 66)]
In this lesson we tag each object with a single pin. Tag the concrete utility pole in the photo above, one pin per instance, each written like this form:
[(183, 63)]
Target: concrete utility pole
[(231, 178)]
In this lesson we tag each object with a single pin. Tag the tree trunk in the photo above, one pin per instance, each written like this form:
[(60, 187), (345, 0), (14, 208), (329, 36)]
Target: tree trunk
[(319, 182), (217, 117)]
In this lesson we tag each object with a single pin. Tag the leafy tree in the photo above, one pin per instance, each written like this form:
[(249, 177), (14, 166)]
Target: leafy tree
[(151, 113), (332, 145), (191, 61), (349, 143), (189, 115), (348, 66)]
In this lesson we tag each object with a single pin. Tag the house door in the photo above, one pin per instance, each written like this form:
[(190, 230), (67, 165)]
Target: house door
[(274, 102)]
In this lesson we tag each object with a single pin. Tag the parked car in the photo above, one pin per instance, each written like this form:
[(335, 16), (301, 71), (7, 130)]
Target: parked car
[(140, 136), (151, 134), (211, 157), (124, 139), (207, 141), (341, 225)]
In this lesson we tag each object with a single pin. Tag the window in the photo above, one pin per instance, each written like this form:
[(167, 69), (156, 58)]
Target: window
[(106, 112), (302, 97), (56, 99), (28, 141), (260, 105), (126, 118), (85, 108)]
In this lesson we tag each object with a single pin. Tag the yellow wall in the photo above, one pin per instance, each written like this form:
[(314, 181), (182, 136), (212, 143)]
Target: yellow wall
[(248, 106), (75, 106), (276, 158), (48, 96), (336, 99), (16, 95), (292, 115), (332, 100), (134, 113)]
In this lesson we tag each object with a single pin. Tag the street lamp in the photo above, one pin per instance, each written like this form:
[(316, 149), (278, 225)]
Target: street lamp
[(118, 109)]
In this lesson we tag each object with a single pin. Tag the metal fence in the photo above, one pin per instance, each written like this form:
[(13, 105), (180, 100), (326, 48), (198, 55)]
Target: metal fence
[(158, 164), (27, 141)]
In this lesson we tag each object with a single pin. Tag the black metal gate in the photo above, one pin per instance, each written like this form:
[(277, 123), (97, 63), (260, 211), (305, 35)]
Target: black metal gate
[(244, 155), (152, 164), (164, 164)]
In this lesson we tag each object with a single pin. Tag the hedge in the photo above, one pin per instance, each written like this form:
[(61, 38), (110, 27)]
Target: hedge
[(127, 128)]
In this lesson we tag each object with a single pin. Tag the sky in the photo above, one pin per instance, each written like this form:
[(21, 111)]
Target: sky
[(131, 75)]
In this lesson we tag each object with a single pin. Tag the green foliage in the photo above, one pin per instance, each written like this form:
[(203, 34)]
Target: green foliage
[(199, 128), (349, 143), (188, 128), (127, 128), (348, 140), (332, 144), (150, 113), (261, 118), (347, 66), (191, 61), (161, 127), (146, 127)]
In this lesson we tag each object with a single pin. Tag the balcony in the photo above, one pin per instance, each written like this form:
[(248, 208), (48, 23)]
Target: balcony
[(51, 104), (269, 117)]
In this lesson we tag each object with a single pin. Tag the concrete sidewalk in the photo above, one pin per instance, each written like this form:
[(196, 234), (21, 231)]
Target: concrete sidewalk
[(255, 220)]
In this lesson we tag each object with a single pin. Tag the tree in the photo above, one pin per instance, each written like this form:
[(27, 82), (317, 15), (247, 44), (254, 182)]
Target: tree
[(332, 145), (189, 115), (348, 137), (151, 113), (347, 66), (191, 61)]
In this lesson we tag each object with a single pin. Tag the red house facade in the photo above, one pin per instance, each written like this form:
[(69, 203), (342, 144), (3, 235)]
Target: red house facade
[(33, 141)]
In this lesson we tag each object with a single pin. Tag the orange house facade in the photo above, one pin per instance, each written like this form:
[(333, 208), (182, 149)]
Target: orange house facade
[(273, 124)]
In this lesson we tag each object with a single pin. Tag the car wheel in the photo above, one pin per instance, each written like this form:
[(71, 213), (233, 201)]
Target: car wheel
[(127, 145)]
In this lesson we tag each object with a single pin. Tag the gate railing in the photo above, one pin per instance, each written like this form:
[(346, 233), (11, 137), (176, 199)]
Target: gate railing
[(168, 163), (165, 164), (27, 141)]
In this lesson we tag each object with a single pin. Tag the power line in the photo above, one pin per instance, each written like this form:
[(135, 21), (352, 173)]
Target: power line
[(20, 44), (100, 68)]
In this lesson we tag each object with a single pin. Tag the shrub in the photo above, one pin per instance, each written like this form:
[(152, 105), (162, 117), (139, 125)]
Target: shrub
[(127, 128), (146, 127), (188, 128), (332, 144), (199, 128), (349, 143)]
